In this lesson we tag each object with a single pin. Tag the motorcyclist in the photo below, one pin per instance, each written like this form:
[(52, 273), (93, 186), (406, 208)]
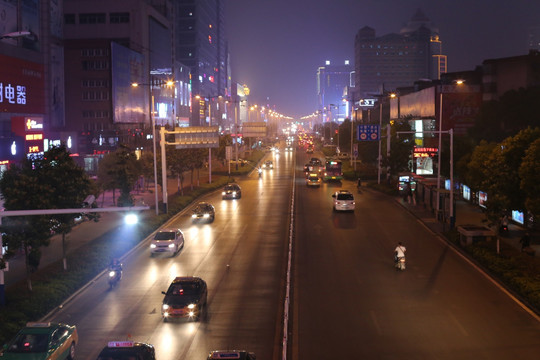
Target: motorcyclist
[(260, 171), (359, 183), (399, 252), (116, 265)]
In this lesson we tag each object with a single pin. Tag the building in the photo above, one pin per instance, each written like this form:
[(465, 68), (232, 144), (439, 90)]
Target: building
[(109, 46), (397, 60), (200, 44), (332, 84), (511, 73), (31, 78)]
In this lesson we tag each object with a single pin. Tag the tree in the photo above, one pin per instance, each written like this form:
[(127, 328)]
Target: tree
[(120, 169), (177, 164), (51, 181), (70, 186), (530, 178), (501, 174), (401, 148)]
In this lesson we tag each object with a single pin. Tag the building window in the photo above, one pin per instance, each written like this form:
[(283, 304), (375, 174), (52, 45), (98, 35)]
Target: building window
[(69, 19), (97, 18), (119, 18)]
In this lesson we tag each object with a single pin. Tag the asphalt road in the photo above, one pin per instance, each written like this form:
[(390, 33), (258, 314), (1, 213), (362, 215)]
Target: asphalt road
[(241, 256), (350, 302)]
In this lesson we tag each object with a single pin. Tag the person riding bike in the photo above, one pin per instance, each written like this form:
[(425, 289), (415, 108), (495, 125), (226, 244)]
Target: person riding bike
[(399, 252)]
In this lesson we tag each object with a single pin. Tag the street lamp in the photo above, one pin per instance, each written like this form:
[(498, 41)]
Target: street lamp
[(153, 121), (458, 82)]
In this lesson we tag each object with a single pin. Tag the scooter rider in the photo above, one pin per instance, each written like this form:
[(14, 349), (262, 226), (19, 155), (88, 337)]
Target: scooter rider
[(399, 252)]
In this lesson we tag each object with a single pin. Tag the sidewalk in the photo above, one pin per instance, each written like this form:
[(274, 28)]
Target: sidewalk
[(466, 214)]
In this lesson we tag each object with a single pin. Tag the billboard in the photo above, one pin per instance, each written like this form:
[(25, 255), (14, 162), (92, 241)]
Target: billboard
[(254, 129), (22, 86), (195, 137), (130, 104)]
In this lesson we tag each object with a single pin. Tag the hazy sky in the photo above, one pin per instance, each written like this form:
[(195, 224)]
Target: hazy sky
[(276, 46)]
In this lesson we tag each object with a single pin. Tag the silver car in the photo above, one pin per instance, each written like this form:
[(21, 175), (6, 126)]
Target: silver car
[(169, 240), (343, 200)]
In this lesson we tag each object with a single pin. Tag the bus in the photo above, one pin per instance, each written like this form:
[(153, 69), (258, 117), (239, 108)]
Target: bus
[(332, 171)]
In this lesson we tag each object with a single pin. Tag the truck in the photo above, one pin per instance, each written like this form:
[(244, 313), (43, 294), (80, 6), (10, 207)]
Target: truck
[(332, 170)]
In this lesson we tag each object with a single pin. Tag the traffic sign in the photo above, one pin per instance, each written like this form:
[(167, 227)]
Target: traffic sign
[(368, 132)]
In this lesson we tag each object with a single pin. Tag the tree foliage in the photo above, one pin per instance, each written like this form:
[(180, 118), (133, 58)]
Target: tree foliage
[(51, 181), (119, 170)]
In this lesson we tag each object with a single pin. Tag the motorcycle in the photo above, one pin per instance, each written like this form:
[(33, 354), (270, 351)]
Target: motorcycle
[(115, 275), (400, 263), (260, 172)]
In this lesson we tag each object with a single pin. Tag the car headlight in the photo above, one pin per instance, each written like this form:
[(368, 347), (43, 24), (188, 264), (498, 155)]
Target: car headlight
[(223, 193), (191, 306), (172, 245), (152, 246), (206, 216), (165, 307), (234, 193)]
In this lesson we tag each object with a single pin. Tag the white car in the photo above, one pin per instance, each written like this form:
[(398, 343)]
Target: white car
[(343, 200), (169, 240)]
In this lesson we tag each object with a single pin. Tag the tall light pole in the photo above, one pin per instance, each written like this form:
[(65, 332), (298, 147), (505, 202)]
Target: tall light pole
[(153, 121)]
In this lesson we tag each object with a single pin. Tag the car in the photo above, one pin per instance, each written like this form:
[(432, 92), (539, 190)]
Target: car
[(203, 212), (268, 165), (231, 191), (309, 150), (46, 341), (313, 179), (343, 201), (167, 240), (232, 354), (288, 148), (120, 350), (241, 162), (185, 298)]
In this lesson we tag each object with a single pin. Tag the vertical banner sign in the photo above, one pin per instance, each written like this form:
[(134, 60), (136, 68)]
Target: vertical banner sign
[(369, 132)]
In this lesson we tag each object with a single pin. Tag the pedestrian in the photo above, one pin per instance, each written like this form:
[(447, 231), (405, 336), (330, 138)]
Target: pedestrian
[(525, 241), (409, 194)]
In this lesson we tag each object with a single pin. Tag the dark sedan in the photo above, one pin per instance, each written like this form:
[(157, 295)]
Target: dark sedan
[(231, 191), (203, 212), (185, 298)]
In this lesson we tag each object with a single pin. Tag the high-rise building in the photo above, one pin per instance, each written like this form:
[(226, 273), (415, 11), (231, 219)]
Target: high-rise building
[(200, 44), (31, 78), (398, 60), (534, 38), (332, 84), (108, 47)]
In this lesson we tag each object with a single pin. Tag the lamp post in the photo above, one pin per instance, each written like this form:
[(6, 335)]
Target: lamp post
[(458, 82), (153, 121)]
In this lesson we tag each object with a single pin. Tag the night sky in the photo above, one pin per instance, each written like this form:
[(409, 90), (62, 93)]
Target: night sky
[(276, 46)]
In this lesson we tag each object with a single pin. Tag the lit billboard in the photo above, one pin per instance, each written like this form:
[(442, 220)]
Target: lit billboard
[(130, 104), (22, 86)]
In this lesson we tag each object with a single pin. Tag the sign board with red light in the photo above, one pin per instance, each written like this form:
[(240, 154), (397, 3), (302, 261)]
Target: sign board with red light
[(424, 152)]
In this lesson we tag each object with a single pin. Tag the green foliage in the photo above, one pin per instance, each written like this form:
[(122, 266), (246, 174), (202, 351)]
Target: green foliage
[(119, 170), (51, 181), (530, 177)]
